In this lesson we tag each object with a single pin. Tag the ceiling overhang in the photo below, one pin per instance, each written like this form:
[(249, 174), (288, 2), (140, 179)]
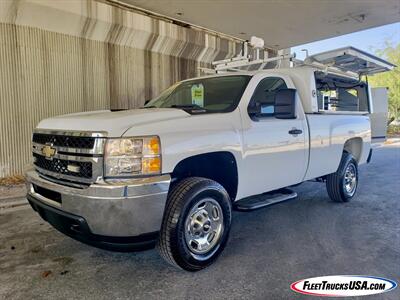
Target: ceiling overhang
[(282, 24)]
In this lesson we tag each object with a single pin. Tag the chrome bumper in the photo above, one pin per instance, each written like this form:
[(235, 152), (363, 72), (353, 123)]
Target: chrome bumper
[(110, 209)]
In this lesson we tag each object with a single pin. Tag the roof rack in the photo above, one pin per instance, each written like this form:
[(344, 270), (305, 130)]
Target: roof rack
[(244, 60), (347, 62)]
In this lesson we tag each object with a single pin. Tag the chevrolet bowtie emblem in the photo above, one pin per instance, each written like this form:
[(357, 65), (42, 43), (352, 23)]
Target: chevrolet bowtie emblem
[(48, 151)]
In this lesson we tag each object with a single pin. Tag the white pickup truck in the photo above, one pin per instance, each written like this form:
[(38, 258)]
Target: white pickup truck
[(171, 172)]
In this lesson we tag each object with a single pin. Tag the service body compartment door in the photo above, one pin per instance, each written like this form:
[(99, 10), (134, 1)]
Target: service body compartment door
[(352, 60), (379, 114)]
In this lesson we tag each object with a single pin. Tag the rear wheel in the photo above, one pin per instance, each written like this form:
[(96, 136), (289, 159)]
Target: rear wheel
[(342, 185), (196, 223)]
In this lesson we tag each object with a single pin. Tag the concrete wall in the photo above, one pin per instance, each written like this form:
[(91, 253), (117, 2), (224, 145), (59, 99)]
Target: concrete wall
[(60, 57)]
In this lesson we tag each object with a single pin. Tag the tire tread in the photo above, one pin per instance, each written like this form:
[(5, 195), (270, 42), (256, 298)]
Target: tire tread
[(175, 202), (333, 180)]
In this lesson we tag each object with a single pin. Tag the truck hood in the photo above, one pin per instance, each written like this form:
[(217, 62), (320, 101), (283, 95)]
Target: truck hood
[(115, 123)]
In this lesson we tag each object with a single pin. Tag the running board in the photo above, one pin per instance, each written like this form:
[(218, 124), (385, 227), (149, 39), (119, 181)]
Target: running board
[(263, 200)]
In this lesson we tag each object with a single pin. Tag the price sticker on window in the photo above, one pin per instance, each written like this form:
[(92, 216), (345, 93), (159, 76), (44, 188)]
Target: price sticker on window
[(198, 94)]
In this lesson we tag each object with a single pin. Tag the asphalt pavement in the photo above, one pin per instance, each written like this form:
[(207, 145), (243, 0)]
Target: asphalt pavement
[(268, 249)]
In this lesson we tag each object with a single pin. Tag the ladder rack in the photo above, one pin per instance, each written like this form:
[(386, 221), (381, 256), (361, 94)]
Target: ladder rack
[(347, 62), (243, 60)]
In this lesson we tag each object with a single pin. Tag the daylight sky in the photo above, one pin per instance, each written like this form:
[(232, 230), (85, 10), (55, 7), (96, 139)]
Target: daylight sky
[(368, 40)]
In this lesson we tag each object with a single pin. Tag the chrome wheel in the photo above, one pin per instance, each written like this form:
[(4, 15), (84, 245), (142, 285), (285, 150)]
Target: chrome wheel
[(204, 226), (350, 179)]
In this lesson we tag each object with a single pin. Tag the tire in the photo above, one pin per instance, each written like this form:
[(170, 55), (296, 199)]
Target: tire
[(342, 185), (187, 249)]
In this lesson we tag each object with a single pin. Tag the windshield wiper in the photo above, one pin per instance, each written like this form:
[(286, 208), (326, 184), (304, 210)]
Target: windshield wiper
[(192, 107)]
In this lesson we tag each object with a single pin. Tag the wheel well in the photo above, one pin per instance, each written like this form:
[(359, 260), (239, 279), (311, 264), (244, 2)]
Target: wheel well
[(354, 147), (218, 166)]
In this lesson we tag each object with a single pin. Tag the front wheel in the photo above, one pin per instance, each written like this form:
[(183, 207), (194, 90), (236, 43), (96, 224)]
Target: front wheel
[(196, 223), (342, 184)]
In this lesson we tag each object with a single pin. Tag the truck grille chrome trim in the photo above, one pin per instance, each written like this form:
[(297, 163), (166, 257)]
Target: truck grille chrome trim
[(61, 166), (72, 133), (62, 177), (64, 140), (97, 149), (75, 157)]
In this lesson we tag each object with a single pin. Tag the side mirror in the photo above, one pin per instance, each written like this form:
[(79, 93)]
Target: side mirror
[(254, 109), (285, 104)]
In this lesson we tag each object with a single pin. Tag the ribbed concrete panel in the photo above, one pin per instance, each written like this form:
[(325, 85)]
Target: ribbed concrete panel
[(44, 74), (59, 57)]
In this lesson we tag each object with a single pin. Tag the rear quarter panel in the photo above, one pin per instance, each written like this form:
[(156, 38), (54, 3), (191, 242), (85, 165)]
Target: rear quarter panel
[(328, 134)]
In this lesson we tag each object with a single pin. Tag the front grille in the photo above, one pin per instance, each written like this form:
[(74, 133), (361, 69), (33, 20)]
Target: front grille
[(64, 140), (61, 166)]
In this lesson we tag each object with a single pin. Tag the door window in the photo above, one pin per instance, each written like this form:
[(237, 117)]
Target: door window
[(264, 95)]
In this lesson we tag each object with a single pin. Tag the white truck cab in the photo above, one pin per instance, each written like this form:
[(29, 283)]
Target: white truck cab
[(172, 171)]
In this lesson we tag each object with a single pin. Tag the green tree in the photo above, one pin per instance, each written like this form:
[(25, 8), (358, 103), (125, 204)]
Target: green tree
[(390, 79)]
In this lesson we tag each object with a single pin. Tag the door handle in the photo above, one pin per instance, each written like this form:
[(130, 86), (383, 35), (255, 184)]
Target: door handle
[(295, 131)]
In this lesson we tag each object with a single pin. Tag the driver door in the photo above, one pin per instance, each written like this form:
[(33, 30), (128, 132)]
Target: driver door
[(274, 157)]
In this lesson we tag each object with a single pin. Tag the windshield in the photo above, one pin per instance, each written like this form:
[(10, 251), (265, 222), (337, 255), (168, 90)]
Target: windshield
[(206, 95)]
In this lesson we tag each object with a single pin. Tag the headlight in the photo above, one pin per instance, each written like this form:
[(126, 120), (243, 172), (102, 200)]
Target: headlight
[(126, 157)]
